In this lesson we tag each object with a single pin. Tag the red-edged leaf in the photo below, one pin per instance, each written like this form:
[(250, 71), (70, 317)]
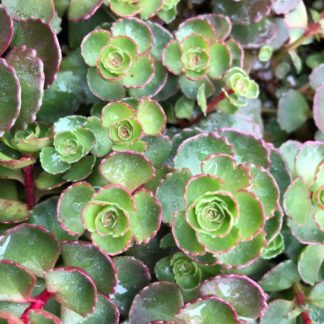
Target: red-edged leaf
[(6, 27)]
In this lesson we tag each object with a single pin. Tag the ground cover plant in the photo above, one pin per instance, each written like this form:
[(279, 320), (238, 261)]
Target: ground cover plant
[(161, 161)]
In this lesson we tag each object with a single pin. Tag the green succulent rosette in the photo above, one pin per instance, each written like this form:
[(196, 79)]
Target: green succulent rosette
[(168, 11), (230, 209), (304, 198), (127, 122)]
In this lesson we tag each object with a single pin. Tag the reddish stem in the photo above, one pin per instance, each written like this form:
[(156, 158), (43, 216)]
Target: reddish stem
[(300, 300), (211, 106), (29, 186), (38, 303)]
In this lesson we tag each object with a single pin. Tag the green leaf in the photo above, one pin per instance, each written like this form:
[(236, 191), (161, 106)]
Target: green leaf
[(146, 220), (201, 99), (70, 204), (197, 25), (245, 295), (207, 310), (133, 275), (39, 255), (16, 282), (279, 311), (7, 30), (85, 256), (47, 181), (288, 151), (81, 10), (170, 194), (318, 108), (12, 211), (292, 111), (81, 169), (51, 161), (10, 98), (158, 149), (184, 108), (73, 288), (316, 295), (281, 277), (129, 169), (220, 60), (310, 262), (171, 57), (39, 316), (158, 301)]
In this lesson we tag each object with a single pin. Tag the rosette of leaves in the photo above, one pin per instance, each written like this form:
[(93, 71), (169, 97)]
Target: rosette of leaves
[(127, 122), (304, 198), (72, 141), (118, 215), (119, 59), (179, 268), (37, 288), (222, 200)]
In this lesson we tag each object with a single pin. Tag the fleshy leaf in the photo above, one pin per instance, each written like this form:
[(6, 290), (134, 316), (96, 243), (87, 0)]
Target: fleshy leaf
[(12, 211), (319, 108), (281, 277), (37, 34), (245, 295), (288, 151), (133, 275), (51, 161), (171, 57), (23, 9), (316, 295), (146, 220), (158, 149), (70, 204), (16, 282), (29, 69), (81, 169), (73, 288), (170, 193), (158, 301), (207, 310), (39, 255), (104, 312), (10, 96), (279, 311), (310, 262), (82, 10), (129, 169), (40, 316), (6, 27), (90, 259)]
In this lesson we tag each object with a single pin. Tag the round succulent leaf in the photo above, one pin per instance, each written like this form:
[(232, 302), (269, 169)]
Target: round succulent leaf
[(288, 151), (273, 225), (13, 211), (41, 316), (159, 301), (37, 34), (30, 72), (195, 149), (281, 277), (157, 150), (220, 60), (244, 253), (133, 275), (69, 123), (6, 173), (185, 236), (197, 25), (237, 53), (81, 169), (171, 57), (163, 270), (247, 148), (140, 73), (149, 8), (146, 220), (105, 312), (104, 89), (316, 78), (279, 311), (47, 181), (124, 9), (246, 296), (316, 295), (73, 288), (207, 310), (234, 177), (222, 25), (102, 145), (170, 194), (284, 6), (115, 194), (39, 255), (198, 185), (129, 169), (96, 264), (310, 262), (16, 282), (151, 116), (161, 36), (51, 161), (115, 112), (44, 215), (112, 245), (318, 108), (292, 111), (82, 10), (70, 204), (10, 96), (309, 156), (6, 27), (92, 45), (190, 87), (139, 31)]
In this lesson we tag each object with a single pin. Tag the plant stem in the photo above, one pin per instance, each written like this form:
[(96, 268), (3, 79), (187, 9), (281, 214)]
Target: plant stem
[(29, 186), (38, 303), (300, 300), (270, 111)]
